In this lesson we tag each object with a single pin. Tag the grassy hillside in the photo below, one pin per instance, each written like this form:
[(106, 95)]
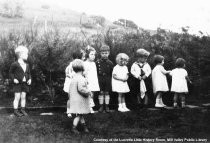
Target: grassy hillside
[(37, 13)]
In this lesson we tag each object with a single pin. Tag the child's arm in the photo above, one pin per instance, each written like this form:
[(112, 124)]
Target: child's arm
[(117, 78), (188, 79), (29, 75), (134, 71), (164, 71), (11, 73), (82, 88), (148, 71)]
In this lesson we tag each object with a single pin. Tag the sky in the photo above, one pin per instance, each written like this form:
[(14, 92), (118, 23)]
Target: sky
[(148, 14)]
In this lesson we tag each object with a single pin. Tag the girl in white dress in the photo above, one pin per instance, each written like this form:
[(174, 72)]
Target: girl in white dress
[(179, 82), (91, 74), (119, 80), (159, 80)]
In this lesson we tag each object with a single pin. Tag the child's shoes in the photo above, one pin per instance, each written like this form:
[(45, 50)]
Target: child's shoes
[(22, 110), (17, 113), (107, 108), (91, 111), (101, 109), (125, 108), (159, 105), (74, 130), (175, 105), (69, 115)]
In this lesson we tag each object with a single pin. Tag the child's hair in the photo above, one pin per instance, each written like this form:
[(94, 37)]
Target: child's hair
[(78, 65), (88, 50), (77, 54), (121, 56), (158, 59), (180, 62), (21, 49), (104, 48), (142, 53)]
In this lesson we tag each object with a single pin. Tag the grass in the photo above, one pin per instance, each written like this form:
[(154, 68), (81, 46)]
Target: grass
[(141, 124)]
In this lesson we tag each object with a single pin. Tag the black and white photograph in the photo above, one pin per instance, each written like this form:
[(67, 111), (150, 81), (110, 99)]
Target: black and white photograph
[(104, 71)]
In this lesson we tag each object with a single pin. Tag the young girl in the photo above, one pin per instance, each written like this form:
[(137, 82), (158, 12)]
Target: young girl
[(159, 81), (78, 54), (91, 74), (179, 82), (21, 78), (141, 70), (79, 96), (119, 80)]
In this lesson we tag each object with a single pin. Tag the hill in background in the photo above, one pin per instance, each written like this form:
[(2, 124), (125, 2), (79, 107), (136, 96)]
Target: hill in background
[(41, 14)]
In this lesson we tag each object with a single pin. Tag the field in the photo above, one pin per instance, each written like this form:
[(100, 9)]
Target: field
[(138, 125)]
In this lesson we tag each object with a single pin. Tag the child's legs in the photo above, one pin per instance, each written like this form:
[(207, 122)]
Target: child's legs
[(120, 101), (76, 120), (139, 98), (146, 99), (101, 98), (82, 119), (176, 95), (23, 99), (107, 98), (159, 95), (16, 100), (68, 106), (182, 96)]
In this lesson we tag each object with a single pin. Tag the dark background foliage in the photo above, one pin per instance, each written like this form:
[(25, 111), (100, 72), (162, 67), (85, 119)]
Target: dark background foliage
[(50, 52)]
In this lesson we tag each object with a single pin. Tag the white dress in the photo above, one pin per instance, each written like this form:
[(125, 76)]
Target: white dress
[(159, 80), (69, 74), (179, 82), (117, 85), (91, 75)]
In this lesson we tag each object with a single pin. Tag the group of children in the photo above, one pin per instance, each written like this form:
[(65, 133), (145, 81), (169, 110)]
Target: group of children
[(85, 77)]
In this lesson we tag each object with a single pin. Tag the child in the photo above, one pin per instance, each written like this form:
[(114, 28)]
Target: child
[(104, 70), (79, 96), (21, 78), (91, 74), (179, 82), (141, 70), (119, 80), (159, 81), (78, 54)]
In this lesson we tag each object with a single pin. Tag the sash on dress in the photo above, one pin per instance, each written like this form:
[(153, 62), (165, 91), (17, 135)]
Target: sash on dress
[(143, 88)]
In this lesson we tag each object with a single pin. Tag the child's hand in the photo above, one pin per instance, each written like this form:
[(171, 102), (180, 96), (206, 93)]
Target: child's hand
[(144, 77), (29, 82), (16, 81), (140, 78)]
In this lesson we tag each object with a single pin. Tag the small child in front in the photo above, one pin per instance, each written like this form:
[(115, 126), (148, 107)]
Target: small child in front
[(79, 96), (119, 80), (179, 82), (21, 78), (104, 70)]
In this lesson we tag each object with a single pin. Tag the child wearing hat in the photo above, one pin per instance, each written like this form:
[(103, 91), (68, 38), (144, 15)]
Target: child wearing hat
[(141, 70), (21, 78), (104, 70)]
